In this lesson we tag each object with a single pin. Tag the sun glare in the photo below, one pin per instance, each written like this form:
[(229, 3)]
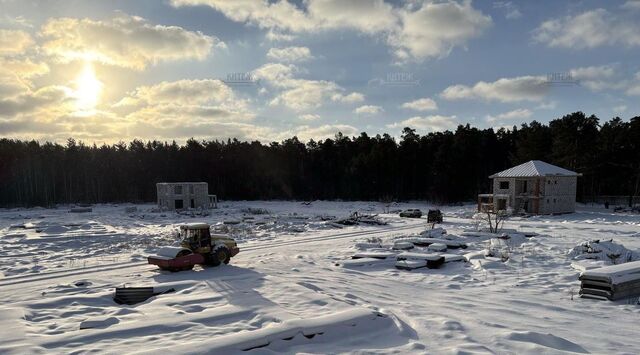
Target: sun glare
[(88, 89)]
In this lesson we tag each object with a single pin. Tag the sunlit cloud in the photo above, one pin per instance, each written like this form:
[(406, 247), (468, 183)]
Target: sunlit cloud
[(184, 91), (511, 11), (517, 114), (351, 98), (435, 28), (524, 88), (368, 110), (302, 94), (416, 31), (16, 76), (309, 117), (276, 36), (114, 76), (23, 68), (126, 41), (589, 29), (290, 54), (424, 104), (50, 100), (14, 42), (427, 123), (306, 94), (187, 108)]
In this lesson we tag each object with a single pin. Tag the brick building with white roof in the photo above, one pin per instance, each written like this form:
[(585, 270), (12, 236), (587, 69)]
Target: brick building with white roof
[(534, 187)]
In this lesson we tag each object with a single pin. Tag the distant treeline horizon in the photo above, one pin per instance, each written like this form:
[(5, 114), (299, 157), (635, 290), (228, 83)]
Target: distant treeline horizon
[(445, 167)]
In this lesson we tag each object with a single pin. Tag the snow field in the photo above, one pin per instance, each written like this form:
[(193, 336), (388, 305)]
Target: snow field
[(289, 287)]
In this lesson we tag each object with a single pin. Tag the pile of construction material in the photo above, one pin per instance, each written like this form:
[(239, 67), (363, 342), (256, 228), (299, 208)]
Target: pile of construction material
[(357, 219), (486, 233), (436, 242), (412, 261), (403, 260), (607, 251), (611, 282), (435, 239), (429, 249), (432, 249), (622, 209)]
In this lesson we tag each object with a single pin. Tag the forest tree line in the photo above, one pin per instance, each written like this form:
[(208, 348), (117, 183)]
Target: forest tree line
[(442, 166)]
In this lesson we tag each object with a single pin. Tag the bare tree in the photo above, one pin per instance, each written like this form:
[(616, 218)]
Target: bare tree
[(387, 201), (496, 220)]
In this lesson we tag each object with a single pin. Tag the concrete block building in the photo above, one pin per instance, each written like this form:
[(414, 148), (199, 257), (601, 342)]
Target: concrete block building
[(183, 195), (534, 187)]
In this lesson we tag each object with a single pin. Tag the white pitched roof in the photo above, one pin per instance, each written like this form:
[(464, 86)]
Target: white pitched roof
[(535, 168)]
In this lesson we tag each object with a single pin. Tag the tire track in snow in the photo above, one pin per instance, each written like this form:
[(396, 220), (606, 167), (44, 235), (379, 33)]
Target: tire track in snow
[(328, 237), (13, 280), (64, 273)]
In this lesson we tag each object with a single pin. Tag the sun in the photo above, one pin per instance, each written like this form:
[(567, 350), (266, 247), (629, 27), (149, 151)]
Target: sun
[(88, 89)]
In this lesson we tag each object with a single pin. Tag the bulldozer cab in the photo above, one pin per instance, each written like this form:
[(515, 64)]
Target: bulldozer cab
[(196, 236)]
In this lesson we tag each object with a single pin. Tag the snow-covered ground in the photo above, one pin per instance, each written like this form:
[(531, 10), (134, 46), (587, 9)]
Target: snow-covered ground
[(293, 288)]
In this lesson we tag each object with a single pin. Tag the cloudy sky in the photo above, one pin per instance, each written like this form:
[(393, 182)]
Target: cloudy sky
[(104, 71)]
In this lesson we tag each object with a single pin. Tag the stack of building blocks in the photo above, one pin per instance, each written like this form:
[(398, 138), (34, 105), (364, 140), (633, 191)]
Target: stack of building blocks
[(611, 282)]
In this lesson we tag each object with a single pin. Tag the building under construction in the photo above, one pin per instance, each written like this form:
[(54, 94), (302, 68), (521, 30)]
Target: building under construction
[(184, 195), (534, 187)]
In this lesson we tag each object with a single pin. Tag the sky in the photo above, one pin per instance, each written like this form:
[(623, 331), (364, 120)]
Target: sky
[(109, 71)]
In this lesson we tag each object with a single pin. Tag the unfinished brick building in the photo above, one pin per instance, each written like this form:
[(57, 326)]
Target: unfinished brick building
[(182, 195), (534, 187)]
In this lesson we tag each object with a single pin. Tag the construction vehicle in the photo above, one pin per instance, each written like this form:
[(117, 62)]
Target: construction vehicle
[(197, 246), (411, 213)]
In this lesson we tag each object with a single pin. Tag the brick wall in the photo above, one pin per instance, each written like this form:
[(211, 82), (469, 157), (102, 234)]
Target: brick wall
[(559, 195), (168, 193)]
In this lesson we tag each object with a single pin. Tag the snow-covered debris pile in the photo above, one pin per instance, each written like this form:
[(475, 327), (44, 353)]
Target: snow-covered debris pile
[(434, 233), (357, 219), (605, 250), (400, 245), (499, 247), (372, 242), (621, 209), (453, 243), (256, 211), (503, 245)]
